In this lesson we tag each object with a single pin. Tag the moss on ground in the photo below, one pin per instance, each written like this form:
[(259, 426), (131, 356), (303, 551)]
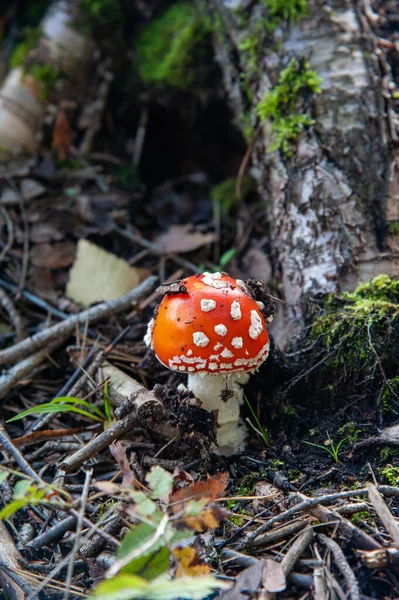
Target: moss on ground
[(359, 331), (288, 11), (166, 48), (282, 105)]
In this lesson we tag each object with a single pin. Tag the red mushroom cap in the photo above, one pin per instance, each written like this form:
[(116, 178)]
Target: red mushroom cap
[(210, 326)]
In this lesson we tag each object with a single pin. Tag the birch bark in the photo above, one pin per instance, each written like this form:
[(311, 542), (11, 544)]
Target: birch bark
[(332, 207)]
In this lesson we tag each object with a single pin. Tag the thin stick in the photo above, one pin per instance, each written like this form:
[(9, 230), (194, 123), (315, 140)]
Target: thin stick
[(384, 513), (9, 447), (66, 328), (342, 565)]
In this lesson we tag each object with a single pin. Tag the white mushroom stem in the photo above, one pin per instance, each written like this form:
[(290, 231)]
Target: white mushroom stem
[(208, 388)]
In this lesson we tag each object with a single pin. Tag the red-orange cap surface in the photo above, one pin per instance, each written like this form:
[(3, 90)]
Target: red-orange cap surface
[(214, 327)]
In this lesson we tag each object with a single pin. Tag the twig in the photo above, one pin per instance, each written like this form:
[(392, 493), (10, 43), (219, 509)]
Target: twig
[(279, 534), (384, 513), (10, 233), (342, 565), (143, 408), (76, 542), (66, 328), (25, 367), (12, 585), (293, 554), (39, 302), (9, 447), (12, 312), (309, 503)]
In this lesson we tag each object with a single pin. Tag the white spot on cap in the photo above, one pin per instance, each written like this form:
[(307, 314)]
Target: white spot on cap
[(207, 304), (200, 339), (214, 280), (177, 360), (235, 310), (226, 366), (218, 346), (256, 327), (227, 354), (189, 352), (148, 335), (190, 369), (221, 329), (214, 357), (213, 366), (182, 368), (237, 342)]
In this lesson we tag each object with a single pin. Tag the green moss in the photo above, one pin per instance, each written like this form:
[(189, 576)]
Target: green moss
[(394, 228), (46, 76), (281, 105), (390, 394), (166, 47), (390, 474), (285, 11), (360, 516), (350, 431), (247, 486), (359, 331), (21, 52)]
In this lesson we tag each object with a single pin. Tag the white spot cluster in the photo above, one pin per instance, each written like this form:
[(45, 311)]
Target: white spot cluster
[(221, 329), (207, 304), (200, 339), (227, 353), (214, 280), (235, 310), (237, 342), (148, 335), (256, 326)]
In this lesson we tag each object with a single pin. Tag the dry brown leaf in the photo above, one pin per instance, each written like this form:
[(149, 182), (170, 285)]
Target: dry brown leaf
[(182, 238), (273, 578), (53, 256), (108, 487), (119, 454), (62, 135), (210, 489), (209, 518), (189, 563)]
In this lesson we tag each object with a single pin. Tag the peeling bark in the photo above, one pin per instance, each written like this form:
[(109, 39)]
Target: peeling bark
[(330, 205)]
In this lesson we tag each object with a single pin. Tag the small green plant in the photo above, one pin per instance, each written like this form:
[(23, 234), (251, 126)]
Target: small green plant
[(332, 449), (27, 492), (390, 474), (263, 433), (280, 105), (165, 48), (141, 569), (66, 404)]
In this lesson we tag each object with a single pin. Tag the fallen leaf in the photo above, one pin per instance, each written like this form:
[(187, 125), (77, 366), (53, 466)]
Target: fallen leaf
[(189, 563), (41, 233), (98, 275), (249, 579), (182, 238), (210, 489), (273, 578), (119, 454), (209, 518), (53, 256), (108, 487)]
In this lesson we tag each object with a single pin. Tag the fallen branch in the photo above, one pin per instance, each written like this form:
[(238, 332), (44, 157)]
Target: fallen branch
[(342, 565), (384, 513), (66, 328), (12, 584)]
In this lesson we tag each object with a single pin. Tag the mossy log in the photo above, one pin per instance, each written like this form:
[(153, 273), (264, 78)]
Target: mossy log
[(330, 185)]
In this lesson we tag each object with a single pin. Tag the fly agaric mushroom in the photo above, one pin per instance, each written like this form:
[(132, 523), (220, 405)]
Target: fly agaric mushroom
[(210, 327)]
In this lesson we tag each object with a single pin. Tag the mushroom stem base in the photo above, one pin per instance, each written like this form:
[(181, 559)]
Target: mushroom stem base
[(232, 430)]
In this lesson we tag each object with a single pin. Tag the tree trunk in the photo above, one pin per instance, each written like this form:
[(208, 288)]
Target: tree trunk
[(333, 207)]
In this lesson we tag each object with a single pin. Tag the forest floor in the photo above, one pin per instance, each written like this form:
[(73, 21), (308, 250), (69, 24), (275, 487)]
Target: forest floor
[(308, 510)]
